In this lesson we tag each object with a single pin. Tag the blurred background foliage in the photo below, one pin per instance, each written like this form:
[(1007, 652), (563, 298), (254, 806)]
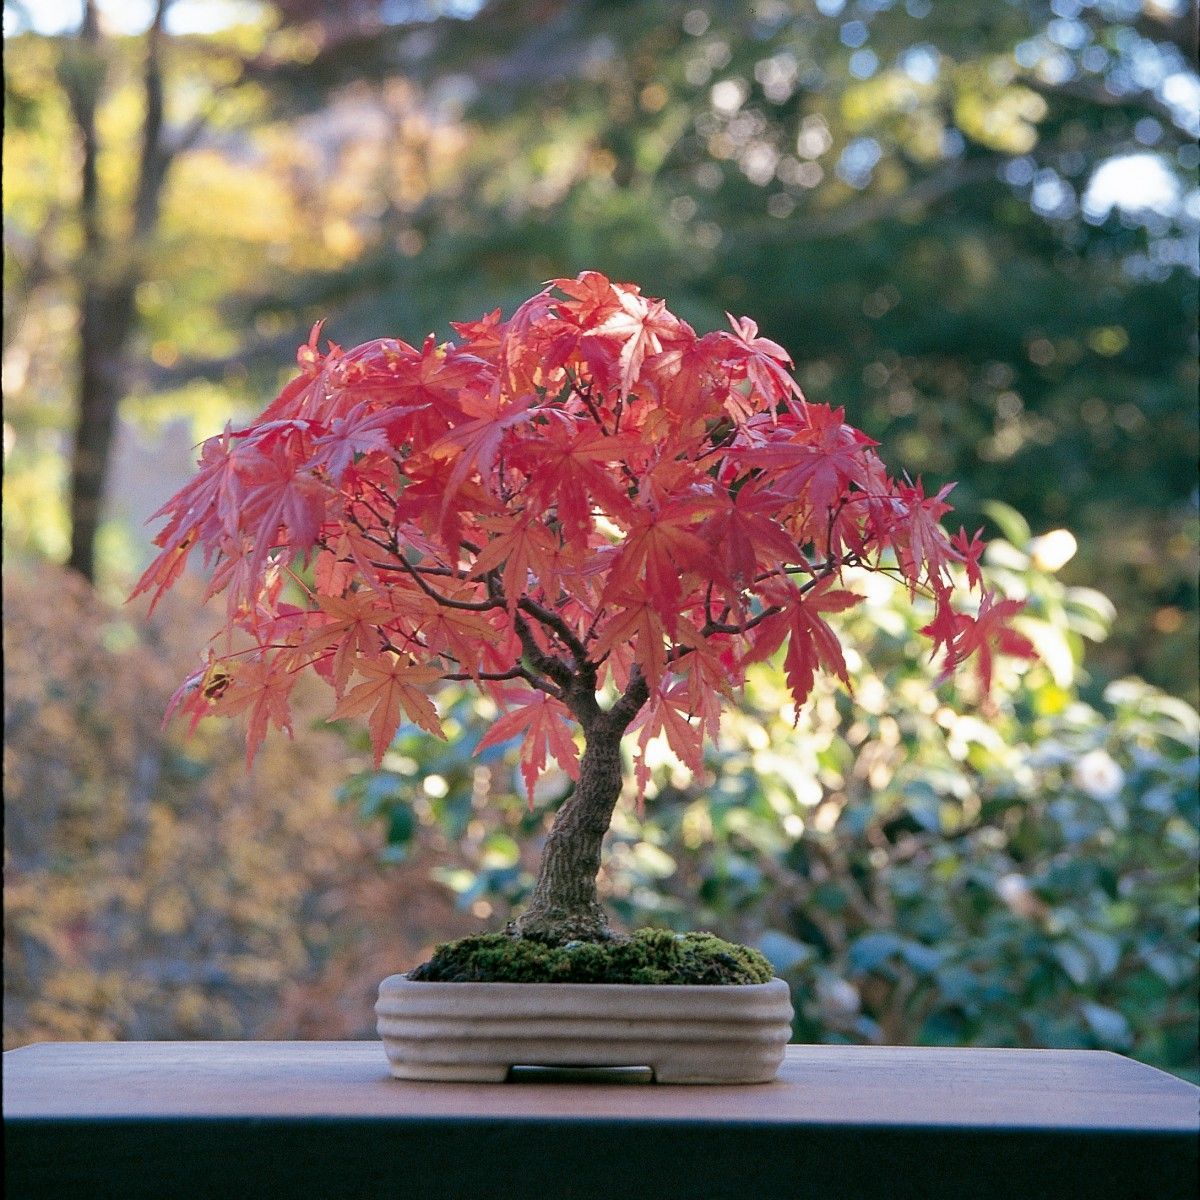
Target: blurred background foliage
[(922, 872), (155, 890), (972, 223)]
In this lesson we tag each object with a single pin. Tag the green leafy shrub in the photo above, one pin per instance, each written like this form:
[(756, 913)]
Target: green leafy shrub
[(919, 871)]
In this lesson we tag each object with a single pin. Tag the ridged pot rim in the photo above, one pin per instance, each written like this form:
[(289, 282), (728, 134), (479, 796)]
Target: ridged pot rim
[(403, 982)]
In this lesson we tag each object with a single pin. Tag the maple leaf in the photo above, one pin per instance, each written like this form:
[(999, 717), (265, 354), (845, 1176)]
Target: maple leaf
[(473, 446), (592, 298), (392, 688), (743, 533), (164, 571), (260, 686), (434, 384), (279, 493), (988, 634), (557, 327), (205, 507), (567, 472), (944, 630), (353, 630), (521, 545), (921, 543), (637, 325), (658, 548), (812, 644), (764, 363), (520, 356), (970, 549), (484, 336), (333, 571), (641, 625), (668, 711), (460, 634), (199, 692), (684, 375), (707, 674), (821, 456), (361, 431), (544, 724)]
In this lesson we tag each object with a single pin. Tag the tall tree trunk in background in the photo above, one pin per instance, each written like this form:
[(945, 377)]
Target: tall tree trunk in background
[(108, 278)]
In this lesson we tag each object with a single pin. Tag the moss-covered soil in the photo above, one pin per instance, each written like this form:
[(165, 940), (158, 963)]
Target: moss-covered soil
[(647, 956)]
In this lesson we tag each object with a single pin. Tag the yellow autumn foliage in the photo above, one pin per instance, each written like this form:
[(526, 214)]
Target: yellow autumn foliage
[(153, 887)]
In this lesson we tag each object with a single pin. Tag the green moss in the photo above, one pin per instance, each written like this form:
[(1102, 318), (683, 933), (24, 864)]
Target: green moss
[(647, 956)]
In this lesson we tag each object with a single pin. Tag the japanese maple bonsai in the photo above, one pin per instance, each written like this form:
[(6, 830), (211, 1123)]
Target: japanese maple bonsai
[(593, 513)]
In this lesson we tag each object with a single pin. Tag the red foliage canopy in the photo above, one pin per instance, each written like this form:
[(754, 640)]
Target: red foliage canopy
[(588, 493)]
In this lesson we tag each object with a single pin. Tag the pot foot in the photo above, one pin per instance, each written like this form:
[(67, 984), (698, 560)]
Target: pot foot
[(450, 1072)]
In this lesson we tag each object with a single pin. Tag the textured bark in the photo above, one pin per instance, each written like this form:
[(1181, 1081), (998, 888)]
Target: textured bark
[(107, 311), (564, 906), (104, 330)]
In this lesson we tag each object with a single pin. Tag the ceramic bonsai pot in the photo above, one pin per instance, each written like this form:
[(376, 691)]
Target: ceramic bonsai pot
[(476, 1032)]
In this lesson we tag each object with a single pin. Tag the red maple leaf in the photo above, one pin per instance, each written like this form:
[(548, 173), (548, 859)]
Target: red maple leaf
[(474, 445), (351, 633), (661, 546), (283, 502), (970, 549), (812, 644), (520, 546), (637, 327), (393, 688), (819, 457), (744, 533), (765, 362), (568, 470), (988, 634), (545, 724), (361, 431), (259, 686)]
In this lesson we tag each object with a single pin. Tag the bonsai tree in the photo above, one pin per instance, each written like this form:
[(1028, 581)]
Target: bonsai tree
[(593, 513)]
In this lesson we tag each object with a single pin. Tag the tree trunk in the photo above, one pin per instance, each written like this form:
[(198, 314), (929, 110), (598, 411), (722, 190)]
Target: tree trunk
[(104, 329), (107, 310), (564, 906)]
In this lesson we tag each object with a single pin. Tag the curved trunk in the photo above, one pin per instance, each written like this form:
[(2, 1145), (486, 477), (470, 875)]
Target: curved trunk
[(564, 906)]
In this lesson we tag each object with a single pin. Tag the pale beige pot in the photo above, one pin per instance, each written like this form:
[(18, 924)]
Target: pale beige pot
[(685, 1034)]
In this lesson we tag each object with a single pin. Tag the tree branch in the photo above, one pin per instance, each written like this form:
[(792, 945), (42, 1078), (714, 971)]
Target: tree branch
[(553, 668), (636, 693), (493, 676), (402, 564), (155, 157), (555, 623)]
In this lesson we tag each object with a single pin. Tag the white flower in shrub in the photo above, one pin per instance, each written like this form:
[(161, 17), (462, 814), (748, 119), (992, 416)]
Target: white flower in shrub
[(1098, 775), (1015, 891), (1052, 551), (838, 997)]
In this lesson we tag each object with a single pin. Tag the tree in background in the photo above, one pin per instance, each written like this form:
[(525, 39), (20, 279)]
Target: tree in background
[(971, 225), (135, 232), (109, 273), (974, 227)]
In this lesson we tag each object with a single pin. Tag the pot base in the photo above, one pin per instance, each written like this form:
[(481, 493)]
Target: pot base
[(476, 1032)]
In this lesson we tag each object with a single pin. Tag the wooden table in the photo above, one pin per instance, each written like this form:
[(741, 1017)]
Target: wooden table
[(324, 1120)]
